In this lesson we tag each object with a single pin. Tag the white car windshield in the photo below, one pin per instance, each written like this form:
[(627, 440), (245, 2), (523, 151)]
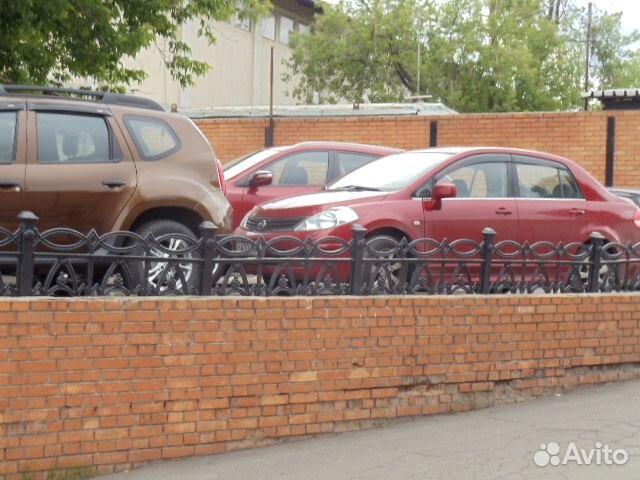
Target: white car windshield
[(391, 173), (242, 164)]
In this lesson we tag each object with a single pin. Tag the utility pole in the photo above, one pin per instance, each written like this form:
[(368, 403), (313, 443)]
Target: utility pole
[(269, 131), (419, 35), (586, 69), (418, 75)]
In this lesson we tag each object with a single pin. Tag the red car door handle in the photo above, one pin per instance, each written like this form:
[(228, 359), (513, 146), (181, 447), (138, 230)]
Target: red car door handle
[(503, 211), (577, 211)]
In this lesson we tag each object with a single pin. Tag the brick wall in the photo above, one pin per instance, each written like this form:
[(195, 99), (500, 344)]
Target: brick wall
[(101, 385), (577, 135)]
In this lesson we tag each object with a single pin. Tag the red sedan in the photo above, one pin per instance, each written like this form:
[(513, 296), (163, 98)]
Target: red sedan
[(292, 170), (454, 193)]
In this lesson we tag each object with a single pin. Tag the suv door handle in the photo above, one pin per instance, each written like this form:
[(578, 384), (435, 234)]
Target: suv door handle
[(503, 211), (10, 185), (114, 183), (577, 211)]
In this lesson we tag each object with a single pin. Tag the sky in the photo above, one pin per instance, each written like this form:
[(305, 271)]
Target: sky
[(630, 11)]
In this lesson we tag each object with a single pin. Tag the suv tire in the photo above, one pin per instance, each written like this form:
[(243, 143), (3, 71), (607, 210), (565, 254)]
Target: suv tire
[(153, 275)]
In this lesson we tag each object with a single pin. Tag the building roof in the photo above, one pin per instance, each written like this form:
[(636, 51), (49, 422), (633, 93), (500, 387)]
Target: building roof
[(311, 4), (616, 98), (612, 93), (340, 110)]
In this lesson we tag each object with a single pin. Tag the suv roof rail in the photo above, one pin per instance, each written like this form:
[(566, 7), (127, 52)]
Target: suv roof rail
[(80, 94)]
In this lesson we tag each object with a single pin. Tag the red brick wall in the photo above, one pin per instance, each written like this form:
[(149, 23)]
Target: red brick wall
[(102, 385), (577, 135), (628, 148), (232, 138)]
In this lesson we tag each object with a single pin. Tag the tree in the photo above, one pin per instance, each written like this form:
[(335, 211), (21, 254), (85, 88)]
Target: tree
[(614, 63), (43, 41), (475, 55), (494, 55), (356, 51)]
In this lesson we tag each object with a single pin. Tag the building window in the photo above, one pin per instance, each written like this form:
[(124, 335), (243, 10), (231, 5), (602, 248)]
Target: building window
[(303, 28), (269, 27), (243, 23), (286, 27)]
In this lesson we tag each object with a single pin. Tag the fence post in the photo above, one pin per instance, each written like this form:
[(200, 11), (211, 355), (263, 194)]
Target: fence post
[(28, 234), (357, 253), (207, 232), (488, 246), (595, 261)]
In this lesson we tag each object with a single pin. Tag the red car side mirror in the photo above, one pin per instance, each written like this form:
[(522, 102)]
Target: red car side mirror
[(440, 191), (261, 178)]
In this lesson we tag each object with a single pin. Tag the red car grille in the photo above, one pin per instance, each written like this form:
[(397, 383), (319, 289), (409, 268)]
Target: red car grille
[(260, 224)]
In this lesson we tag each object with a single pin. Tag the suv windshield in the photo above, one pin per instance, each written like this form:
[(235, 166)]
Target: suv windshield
[(391, 173), (239, 165)]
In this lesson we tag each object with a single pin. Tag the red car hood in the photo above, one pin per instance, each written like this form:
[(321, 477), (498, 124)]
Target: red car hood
[(308, 204)]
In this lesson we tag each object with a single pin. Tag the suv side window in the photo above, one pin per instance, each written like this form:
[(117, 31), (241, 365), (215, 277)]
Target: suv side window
[(479, 180), (153, 137), (69, 138), (305, 168), (546, 180), (8, 124)]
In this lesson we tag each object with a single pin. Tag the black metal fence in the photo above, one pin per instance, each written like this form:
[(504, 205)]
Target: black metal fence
[(65, 262)]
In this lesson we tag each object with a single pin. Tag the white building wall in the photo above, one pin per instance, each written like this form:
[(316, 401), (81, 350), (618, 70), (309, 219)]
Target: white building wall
[(240, 68)]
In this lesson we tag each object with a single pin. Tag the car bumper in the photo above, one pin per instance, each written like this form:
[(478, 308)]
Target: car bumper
[(321, 255)]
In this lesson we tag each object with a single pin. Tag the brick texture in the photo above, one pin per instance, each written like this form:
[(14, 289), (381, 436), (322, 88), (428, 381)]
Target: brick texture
[(103, 385), (580, 136)]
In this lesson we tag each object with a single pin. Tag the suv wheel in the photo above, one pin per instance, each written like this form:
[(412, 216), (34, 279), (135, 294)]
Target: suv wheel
[(172, 238)]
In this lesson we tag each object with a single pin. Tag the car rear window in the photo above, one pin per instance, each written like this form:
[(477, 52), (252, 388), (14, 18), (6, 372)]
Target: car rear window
[(153, 137), (8, 123), (546, 181)]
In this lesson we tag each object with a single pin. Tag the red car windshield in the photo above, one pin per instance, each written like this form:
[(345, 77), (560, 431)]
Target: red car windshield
[(391, 173), (239, 165)]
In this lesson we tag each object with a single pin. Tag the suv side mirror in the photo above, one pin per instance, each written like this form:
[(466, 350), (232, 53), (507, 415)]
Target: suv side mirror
[(261, 178), (440, 191)]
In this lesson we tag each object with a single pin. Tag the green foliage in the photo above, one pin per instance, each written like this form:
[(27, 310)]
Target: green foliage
[(356, 51), (45, 41), (74, 473), (475, 55), (614, 64)]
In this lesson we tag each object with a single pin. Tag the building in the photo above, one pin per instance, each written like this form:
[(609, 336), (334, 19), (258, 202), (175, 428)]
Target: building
[(616, 98), (420, 109), (240, 61)]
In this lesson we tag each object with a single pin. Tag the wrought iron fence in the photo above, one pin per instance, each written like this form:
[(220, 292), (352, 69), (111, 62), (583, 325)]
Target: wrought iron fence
[(65, 262)]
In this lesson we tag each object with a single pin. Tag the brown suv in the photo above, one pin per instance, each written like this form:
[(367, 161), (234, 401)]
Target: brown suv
[(118, 162), (85, 159)]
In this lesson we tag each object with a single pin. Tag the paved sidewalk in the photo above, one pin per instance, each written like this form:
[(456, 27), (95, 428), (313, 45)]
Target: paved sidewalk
[(495, 443)]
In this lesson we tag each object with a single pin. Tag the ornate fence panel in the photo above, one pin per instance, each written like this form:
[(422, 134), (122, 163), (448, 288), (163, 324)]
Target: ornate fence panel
[(65, 262)]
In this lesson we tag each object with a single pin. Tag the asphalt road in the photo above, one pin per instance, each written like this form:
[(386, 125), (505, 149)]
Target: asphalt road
[(496, 443)]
